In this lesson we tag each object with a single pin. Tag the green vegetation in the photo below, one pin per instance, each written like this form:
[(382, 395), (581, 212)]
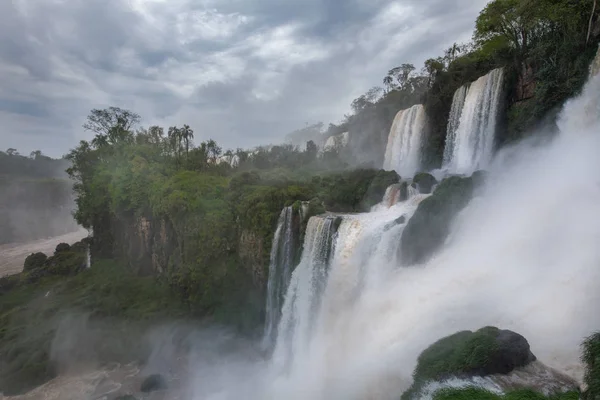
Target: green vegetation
[(429, 227), (591, 359), (119, 306), (463, 354), (472, 393), (544, 46), (162, 205)]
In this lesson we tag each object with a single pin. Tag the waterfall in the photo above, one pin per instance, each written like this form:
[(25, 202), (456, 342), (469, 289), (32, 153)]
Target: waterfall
[(303, 296), (280, 269), (470, 143), (88, 256), (403, 151), (524, 256), (458, 102)]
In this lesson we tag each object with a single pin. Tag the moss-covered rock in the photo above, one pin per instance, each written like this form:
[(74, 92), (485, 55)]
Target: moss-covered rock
[(591, 359), (429, 227), (424, 182), (466, 354), (34, 261)]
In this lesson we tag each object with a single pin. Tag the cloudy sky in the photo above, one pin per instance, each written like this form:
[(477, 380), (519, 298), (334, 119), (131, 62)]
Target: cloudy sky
[(243, 72)]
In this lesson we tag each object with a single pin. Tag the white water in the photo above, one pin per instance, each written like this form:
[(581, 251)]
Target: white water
[(470, 144), (458, 102), (524, 257), (302, 301), (403, 151), (280, 270)]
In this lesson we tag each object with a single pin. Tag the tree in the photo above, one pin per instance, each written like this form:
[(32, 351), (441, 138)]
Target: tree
[(35, 154), (311, 150), (175, 136), (401, 74), (111, 125), (432, 68), (12, 152), (213, 150), (511, 22), (187, 134), (388, 82)]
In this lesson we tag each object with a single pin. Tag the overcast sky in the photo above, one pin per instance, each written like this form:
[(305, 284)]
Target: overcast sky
[(243, 72)]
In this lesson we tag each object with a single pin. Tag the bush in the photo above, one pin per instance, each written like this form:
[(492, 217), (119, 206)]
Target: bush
[(62, 247), (591, 359), (34, 261)]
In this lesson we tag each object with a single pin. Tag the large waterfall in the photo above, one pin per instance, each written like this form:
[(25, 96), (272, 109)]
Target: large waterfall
[(524, 256), (403, 151), (280, 270), (472, 124)]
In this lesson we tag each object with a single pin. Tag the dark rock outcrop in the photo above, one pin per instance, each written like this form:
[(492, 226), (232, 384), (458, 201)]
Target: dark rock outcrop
[(467, 354), (424, 182), (429, 227)]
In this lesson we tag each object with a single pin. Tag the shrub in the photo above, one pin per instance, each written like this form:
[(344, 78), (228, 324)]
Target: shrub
[(34, 261)]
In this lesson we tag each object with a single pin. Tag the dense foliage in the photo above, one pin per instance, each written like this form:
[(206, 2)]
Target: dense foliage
[(163, 205), (544, 46), (591, 359)]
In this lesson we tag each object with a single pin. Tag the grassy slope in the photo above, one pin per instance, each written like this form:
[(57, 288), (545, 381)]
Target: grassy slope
[(30, 315)]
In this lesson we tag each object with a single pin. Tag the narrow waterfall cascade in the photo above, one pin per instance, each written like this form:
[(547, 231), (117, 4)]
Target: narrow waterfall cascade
[(458, 102), (88, 257), (280, 271), (308, 280), (403, 151), (392, 195), (470, 143)]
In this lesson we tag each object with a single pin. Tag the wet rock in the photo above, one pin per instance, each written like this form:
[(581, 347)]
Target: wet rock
[(154, 383), (429, 227), (398, 221), (424, 182), (464, 355)]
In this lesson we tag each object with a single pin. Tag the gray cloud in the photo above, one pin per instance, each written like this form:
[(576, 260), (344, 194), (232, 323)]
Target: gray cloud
[(244, 72)]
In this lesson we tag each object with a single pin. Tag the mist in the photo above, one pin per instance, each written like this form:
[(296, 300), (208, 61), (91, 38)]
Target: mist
[(522, 256)]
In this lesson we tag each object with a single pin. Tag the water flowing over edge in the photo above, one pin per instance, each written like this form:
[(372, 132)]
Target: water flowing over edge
[(470, 143), (404, 146)]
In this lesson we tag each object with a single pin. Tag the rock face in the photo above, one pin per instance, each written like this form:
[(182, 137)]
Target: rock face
[(490, 359), (429, 227), (424, 182)]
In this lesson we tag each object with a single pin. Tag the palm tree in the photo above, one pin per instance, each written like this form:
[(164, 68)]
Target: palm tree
[(187, 134)]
